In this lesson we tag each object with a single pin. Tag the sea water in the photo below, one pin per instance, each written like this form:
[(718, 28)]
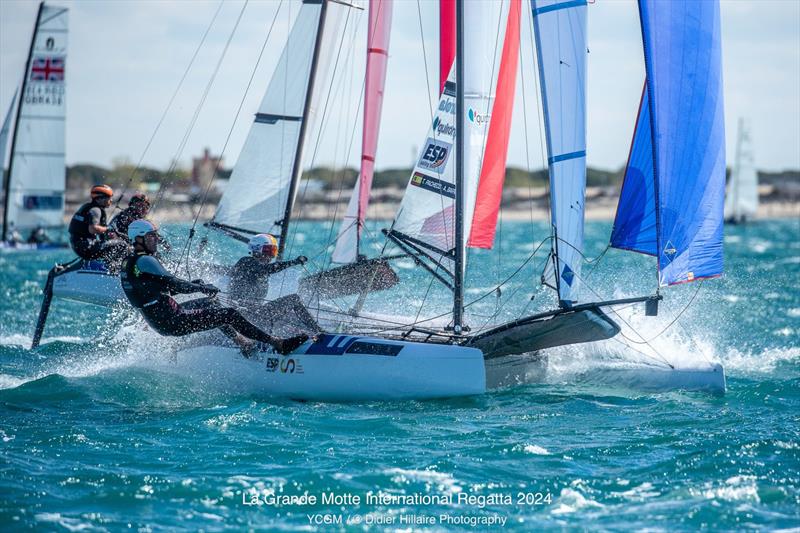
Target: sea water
[(94, 435)]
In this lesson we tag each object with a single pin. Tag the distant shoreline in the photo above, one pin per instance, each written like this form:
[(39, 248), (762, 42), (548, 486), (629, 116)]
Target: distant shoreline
[(517, 205)]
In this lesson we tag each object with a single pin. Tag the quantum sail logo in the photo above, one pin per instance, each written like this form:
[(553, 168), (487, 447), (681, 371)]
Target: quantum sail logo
[(478, 118), (443, 128), (435, 155)]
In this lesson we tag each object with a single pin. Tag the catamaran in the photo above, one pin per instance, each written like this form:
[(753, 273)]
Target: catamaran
[(33, 185), (741, 200), (670, 207)]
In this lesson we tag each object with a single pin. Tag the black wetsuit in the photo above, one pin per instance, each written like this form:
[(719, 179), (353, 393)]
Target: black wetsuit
[(123, 219), (250, 278), (89, 246), (149, 288)]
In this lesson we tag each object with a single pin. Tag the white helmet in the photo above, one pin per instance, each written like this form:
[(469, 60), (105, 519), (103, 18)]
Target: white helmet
[(263, 244), (140, 228)]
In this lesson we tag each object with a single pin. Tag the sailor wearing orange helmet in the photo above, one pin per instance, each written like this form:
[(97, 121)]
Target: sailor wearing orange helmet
[(88, 231)]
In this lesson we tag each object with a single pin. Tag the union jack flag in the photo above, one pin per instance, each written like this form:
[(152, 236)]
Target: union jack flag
[(47, 69)]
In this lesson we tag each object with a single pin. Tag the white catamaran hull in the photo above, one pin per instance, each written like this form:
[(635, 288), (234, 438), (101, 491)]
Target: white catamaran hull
[(89, 283), (343, 368)]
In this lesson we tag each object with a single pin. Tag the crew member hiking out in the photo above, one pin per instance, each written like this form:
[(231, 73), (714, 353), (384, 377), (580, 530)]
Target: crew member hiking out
[(89, 235), (249, 285), (138, 207), (149, 288)]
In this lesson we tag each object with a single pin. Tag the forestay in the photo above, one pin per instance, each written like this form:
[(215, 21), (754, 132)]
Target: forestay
[(35, 193), (560, 27), (672, 205), (380, 21), (426, 217), (257, 194)]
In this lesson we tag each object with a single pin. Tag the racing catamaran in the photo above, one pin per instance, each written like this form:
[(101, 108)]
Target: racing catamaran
[(33, 186), (670, 207)]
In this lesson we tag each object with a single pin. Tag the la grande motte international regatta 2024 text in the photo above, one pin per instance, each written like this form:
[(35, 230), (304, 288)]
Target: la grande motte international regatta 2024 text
[(380, 498)]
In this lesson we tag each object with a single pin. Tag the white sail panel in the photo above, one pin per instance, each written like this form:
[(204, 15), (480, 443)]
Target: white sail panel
[(347, 242), (37, 168), (741, 202), (4, 130), (255, 198), (426, 213), (560, 28), (485, 26)]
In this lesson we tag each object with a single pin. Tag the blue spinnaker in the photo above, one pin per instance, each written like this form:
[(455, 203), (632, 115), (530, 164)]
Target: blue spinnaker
[(635, 223), (684, 199)]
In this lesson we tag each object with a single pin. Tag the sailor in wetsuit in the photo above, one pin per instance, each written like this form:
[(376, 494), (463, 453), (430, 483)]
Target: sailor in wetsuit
[(138, 207), (250, 275), (249, 284), (89, 235), (149, 288)]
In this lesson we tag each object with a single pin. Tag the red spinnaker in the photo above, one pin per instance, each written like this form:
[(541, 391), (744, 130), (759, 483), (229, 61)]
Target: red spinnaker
[(493, 170), (380, 23)]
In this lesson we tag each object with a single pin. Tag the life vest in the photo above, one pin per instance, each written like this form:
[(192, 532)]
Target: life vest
[(79, 225)]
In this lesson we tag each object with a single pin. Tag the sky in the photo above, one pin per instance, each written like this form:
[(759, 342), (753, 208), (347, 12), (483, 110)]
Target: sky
[(126, 58)]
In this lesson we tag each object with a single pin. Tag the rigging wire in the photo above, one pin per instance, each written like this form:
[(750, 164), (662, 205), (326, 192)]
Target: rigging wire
[(324, 123), (199, 107), (167, 108), (188, 243)]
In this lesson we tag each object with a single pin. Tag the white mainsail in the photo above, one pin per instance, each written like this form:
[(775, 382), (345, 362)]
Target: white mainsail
[(426, 217), (35, 194), (258, 192), (560, 27), (741, 201)]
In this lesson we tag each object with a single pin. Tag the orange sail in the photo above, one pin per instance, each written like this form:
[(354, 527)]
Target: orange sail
[(490, 186)]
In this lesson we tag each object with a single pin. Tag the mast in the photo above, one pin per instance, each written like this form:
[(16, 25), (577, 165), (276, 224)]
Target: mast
[(297, 168), (7, 178), (458, 275)]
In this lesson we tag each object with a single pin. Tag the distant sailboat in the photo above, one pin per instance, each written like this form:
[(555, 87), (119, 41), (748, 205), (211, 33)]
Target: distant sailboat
[(741, 200), (34, 184)]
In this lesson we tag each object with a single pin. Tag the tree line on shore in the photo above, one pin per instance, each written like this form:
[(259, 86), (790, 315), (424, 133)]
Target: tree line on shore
[(82, 176)]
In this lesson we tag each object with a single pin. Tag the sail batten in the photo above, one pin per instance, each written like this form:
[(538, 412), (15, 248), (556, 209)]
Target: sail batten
[(671, 204)]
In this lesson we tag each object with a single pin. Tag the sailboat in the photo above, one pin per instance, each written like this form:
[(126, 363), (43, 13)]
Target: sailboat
[(33, 185), (263, 188), (261, 193), (741, 200), (670, 208)]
